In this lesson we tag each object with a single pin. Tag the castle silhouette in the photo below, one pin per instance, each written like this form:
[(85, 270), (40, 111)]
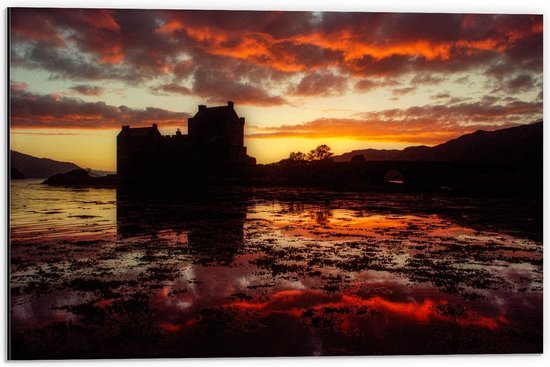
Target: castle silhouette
[(215, 139)]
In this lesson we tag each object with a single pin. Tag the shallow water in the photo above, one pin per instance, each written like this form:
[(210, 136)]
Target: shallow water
[(101, 274)]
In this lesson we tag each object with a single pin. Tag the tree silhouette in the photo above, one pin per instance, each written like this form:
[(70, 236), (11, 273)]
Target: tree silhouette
[(320, 153), (297, 156)]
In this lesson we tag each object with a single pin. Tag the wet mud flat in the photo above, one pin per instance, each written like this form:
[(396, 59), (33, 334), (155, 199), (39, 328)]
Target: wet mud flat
[(272, 272)]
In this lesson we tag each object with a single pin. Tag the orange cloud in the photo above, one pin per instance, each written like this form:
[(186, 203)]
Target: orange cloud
[(353, 47), (263, 48), (112, 55), (257, 47), (430, 124)]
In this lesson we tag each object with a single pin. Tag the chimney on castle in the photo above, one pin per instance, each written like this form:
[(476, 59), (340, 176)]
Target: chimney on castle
[(230, 104), (202, 107)]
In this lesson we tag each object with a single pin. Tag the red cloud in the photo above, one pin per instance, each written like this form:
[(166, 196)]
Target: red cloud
[(18, 86), (52, 111), (33, 25)]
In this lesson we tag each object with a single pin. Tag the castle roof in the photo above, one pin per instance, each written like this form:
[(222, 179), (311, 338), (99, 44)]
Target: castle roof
[(139, 131), (219, 113)]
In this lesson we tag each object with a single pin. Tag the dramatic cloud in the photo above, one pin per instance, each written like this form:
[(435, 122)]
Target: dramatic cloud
[(221, 88), (53, 111), (243, 54), (64, 63)]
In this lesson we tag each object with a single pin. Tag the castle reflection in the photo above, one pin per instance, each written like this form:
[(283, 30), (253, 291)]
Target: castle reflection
[(211, 224)]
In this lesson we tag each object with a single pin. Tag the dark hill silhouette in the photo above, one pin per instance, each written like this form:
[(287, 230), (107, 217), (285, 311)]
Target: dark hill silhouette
[(515, 144), (80, 177), (370, 155), (15, 174), (33, 167)]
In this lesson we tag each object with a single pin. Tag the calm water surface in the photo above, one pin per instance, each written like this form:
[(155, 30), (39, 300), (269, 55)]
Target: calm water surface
[(96, 273)]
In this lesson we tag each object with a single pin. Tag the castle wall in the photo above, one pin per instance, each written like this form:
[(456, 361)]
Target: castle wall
[(215, 137)]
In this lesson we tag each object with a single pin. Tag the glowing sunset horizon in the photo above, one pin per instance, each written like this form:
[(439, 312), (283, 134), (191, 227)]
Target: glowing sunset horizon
[(301, 79)]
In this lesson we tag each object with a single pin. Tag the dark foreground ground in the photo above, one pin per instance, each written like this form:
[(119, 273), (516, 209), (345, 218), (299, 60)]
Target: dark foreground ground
[(97, 273)]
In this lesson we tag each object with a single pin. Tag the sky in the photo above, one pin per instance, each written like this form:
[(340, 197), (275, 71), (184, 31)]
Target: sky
[(352, 80)]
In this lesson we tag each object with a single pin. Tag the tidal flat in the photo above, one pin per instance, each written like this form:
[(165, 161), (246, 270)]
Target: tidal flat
[(96, 273)]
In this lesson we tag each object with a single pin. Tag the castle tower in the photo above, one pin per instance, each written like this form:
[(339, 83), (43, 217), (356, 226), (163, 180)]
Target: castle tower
[(217, 134)]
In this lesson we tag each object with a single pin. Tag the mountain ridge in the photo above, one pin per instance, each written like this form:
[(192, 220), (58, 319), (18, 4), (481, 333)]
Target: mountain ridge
[(34, 167), (513, 144)]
